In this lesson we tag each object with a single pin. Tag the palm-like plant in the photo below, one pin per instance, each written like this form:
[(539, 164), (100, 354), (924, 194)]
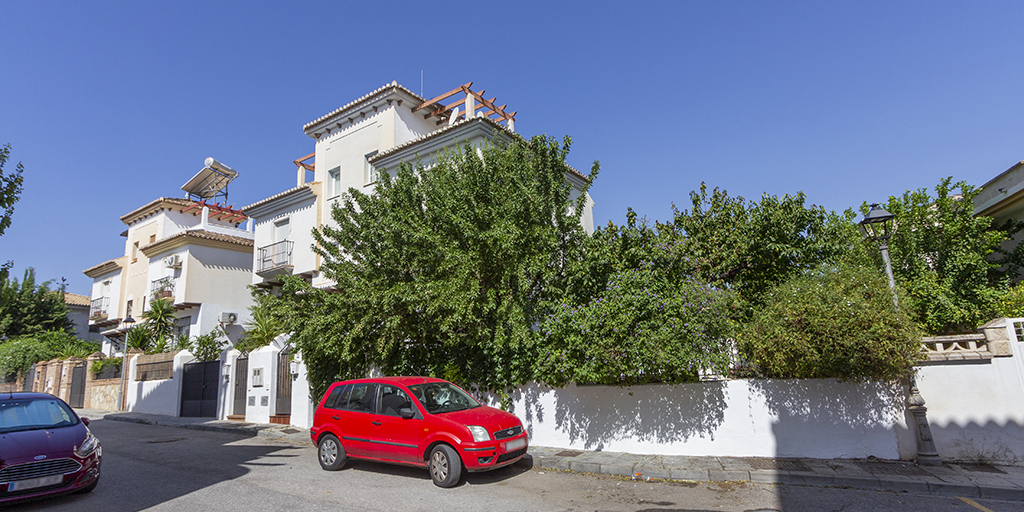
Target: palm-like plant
[(160, 321), (139, 338), (260, 330)]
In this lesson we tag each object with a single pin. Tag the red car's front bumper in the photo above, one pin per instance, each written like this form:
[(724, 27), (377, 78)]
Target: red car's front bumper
[(493, 454)]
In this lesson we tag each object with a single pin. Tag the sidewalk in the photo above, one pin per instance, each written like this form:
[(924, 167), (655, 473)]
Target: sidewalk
[(951, 479)]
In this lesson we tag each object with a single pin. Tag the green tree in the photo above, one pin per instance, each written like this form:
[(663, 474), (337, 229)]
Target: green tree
[(644, 327), (838, 321), (21, 352), (445, 271), (30, 308), (10, 192), (207, 347), (10, 188), (949, 261), (750, 246)]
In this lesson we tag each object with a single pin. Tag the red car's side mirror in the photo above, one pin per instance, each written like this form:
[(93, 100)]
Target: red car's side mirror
[(407, 413)]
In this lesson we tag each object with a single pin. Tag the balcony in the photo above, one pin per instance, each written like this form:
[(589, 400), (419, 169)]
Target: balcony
[(98, 308), (275, 258), (162, 288)]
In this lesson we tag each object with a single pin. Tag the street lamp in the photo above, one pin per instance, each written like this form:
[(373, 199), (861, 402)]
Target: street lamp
[(877, 225), (128, 323)]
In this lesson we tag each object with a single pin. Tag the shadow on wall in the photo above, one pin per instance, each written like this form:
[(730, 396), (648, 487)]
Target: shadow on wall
[(991, 443), (596, 415), (827, 418)]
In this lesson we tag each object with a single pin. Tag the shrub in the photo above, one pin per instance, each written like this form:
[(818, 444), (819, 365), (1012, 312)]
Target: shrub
[(837, 321), (643, 328)]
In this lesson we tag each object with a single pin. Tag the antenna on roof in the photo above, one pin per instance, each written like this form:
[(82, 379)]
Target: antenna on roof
[(421, 83), (454, 116)]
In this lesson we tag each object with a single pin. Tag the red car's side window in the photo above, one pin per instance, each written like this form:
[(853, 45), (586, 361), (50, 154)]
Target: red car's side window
[(357, 397)]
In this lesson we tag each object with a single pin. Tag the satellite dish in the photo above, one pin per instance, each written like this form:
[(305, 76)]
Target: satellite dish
[(212, 181), (454, 116)]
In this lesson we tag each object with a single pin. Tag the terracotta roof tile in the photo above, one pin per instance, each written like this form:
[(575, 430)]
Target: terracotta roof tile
[(75, 299)]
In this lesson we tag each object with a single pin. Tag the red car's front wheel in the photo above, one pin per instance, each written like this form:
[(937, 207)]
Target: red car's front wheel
[(445, 466)]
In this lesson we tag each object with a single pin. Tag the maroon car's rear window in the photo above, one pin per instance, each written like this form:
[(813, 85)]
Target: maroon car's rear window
[(35, 413)]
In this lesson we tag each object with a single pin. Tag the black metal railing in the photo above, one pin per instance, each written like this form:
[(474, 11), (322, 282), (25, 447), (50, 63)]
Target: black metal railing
[(276, 255), (162, 288)]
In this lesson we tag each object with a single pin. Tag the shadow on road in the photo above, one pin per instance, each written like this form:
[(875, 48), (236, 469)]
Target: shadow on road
[(144, 466)]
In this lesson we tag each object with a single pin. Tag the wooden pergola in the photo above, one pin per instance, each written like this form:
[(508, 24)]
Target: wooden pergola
[(224, 213), (444, 112)]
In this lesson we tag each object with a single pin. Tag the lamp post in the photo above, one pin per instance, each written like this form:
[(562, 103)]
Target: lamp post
[(128, 323), (877, 225)]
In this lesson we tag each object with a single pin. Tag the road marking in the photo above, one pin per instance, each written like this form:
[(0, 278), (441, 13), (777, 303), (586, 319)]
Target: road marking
[(974, 504)]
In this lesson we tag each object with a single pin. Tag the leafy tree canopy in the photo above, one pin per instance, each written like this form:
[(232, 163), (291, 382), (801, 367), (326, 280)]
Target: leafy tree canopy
[(30, 308), (445, 271), (950, 262), (752, 246), (19, 353), (10, 188), (836, 321)]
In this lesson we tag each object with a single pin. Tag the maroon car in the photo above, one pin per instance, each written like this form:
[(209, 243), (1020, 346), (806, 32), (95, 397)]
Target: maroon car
[(45, 448)]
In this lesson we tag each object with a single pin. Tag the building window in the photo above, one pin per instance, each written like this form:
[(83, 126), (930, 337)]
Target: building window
[(371, 171), (334, 182), (135, 252), (181, 327), (152, 238), (128, 309)]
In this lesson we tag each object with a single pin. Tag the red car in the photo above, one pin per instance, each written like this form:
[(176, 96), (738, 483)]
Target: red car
[(45, 448), (414, 421)]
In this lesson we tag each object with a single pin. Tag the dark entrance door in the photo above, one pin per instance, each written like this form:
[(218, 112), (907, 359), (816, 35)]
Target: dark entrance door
[(77, 387), (284, 383), (241, 374), (30, 378), (199, 389)]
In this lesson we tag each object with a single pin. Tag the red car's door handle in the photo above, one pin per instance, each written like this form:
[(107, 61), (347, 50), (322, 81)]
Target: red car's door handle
[(376, 423), (336, 417)]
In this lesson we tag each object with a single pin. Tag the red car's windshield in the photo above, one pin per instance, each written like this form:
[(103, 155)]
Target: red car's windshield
[(34, 414), (440, 397)]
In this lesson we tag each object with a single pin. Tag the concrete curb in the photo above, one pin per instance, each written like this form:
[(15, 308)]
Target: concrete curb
[(958, 483)]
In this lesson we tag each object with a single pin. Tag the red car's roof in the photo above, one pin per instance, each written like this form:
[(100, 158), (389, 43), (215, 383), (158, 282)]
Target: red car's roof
[(403, 381)]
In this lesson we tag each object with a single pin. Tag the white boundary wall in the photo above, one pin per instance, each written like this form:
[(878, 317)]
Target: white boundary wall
[(751, 418)]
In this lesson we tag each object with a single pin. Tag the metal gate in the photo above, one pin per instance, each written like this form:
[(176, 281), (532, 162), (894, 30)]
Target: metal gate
[(284, 383), (30, 379), (77, 399), (241, 374), (199, 389)]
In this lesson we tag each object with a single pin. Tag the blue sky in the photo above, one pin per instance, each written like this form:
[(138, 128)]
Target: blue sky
[(845, 101)]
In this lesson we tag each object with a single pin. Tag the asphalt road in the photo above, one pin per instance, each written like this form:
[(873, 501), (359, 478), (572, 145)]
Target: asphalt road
[(161, 468)]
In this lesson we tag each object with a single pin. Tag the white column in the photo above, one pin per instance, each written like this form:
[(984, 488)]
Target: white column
[(470, 106)]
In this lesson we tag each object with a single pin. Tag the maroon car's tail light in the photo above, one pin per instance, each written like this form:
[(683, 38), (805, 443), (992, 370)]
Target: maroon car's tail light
[(39, 469)]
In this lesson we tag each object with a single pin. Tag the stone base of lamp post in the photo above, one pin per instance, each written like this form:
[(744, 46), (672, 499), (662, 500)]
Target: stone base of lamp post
[(927, 455)]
